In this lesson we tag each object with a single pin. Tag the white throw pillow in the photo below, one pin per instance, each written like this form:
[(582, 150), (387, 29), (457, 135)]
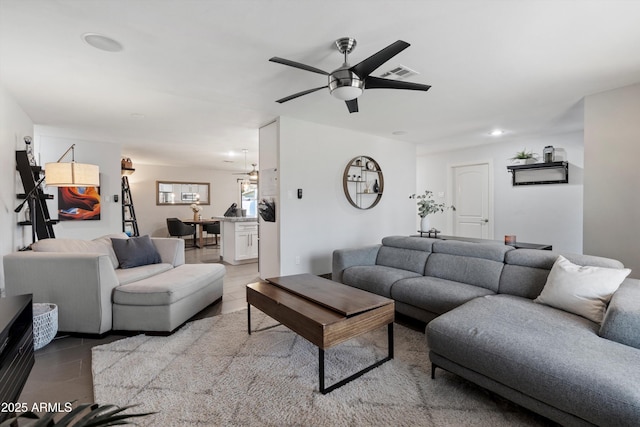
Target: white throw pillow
[(581, 290)]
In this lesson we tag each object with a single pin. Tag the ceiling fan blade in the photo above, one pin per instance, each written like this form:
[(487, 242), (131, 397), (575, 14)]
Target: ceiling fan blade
[(352, 105), (380, 83), (298, 65), (295, 95), (366, 67)]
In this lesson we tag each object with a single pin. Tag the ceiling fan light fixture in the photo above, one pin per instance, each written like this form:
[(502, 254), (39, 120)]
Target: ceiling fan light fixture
[(346, 93), (345, 85)]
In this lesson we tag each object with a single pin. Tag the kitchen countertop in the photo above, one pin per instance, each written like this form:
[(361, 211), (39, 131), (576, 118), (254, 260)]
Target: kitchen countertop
[(236, 218)]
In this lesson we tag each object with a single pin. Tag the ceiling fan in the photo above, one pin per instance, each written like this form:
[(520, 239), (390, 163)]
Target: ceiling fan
[(253, 174), (348, 82)]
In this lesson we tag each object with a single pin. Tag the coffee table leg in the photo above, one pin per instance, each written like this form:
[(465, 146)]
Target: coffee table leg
[(249, 318), (358, 374), (390, 339), (321, 370)]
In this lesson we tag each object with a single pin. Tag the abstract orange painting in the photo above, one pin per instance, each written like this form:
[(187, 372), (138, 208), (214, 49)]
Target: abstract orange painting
[(78, 203)]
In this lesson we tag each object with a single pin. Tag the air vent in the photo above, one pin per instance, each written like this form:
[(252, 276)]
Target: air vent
[(399, 73)]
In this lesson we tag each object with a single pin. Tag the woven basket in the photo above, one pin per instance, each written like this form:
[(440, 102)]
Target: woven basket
[(45, 324)]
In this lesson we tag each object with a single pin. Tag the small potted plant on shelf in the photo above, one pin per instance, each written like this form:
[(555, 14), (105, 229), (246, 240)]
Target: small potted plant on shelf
[(524, 157), (426, 206)]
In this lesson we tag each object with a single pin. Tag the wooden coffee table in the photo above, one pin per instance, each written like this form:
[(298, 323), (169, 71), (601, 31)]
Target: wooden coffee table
[(324, 312)]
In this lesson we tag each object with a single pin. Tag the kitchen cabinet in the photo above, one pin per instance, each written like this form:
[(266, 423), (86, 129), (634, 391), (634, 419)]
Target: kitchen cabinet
[(246, 241), (238, 240)]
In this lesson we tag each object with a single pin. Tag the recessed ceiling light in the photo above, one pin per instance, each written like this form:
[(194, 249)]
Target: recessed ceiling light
[(102, 42), (137, 116), (496, 132), (399, 132)]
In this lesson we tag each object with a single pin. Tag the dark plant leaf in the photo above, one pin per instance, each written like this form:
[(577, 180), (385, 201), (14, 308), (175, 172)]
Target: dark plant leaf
[(64, 421)]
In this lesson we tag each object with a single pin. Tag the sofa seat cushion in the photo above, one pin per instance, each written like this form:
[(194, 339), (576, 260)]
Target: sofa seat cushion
[(548, 354), (130, 275), (375, 278), (434, 294), (170, 286)]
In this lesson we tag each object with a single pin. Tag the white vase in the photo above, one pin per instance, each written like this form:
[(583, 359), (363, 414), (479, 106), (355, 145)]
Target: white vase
[(524, 161), (425, 224)]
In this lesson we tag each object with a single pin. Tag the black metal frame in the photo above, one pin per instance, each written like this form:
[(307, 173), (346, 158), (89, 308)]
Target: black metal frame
[(321, 364), (325, 390), (564, 166)]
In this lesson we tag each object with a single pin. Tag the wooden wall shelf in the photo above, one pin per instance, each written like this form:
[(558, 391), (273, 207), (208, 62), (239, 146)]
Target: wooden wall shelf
[(366, 171), (540, 173)]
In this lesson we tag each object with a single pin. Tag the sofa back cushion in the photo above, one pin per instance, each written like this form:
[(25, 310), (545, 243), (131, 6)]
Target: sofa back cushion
[(475, 264), (526, 270), (622, 320), (405, 253), (98, 245)]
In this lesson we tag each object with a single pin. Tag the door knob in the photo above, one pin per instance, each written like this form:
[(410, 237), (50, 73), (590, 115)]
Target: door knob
[(485, 220)]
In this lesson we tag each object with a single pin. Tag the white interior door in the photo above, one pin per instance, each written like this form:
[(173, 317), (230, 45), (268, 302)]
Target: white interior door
[(472, 201)]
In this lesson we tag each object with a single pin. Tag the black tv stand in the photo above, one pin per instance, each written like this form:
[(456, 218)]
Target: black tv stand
[(16, 347)]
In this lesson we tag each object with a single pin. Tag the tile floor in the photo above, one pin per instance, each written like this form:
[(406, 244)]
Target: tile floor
[(62, 371)]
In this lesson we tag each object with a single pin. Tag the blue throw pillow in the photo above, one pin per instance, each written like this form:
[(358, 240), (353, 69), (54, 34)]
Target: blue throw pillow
[(135, 251)]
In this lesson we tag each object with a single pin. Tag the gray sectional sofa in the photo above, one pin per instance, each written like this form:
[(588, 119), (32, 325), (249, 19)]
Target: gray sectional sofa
[(483, 324), (95, 295)]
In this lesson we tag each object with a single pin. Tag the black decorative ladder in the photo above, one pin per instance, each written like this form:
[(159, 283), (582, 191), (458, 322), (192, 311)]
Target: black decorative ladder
[(39, 219), (128, 211)]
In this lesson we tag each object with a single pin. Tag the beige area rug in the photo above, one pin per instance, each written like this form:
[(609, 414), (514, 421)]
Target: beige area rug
[(212, 373)]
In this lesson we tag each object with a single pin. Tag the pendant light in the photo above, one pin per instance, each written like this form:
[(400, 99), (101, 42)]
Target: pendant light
[(60, 174)]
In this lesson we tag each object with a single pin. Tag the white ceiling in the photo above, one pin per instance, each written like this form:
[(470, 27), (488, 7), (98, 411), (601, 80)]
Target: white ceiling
[(199, 73)]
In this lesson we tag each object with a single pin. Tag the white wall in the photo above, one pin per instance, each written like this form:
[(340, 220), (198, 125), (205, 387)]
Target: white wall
[(15, 124), (107, 157), (313, 157), (550, 214), (612, 176), (224, 190), (269, 231)]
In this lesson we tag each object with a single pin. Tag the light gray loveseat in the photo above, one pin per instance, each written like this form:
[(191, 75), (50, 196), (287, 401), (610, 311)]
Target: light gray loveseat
[(94, 295), (484, 326)]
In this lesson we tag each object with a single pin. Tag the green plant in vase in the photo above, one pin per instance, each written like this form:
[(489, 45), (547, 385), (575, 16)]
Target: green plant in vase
[(524, 157), (426, 206)]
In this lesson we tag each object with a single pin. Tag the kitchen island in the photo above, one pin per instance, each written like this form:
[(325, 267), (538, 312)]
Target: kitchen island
[(238, 239)]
